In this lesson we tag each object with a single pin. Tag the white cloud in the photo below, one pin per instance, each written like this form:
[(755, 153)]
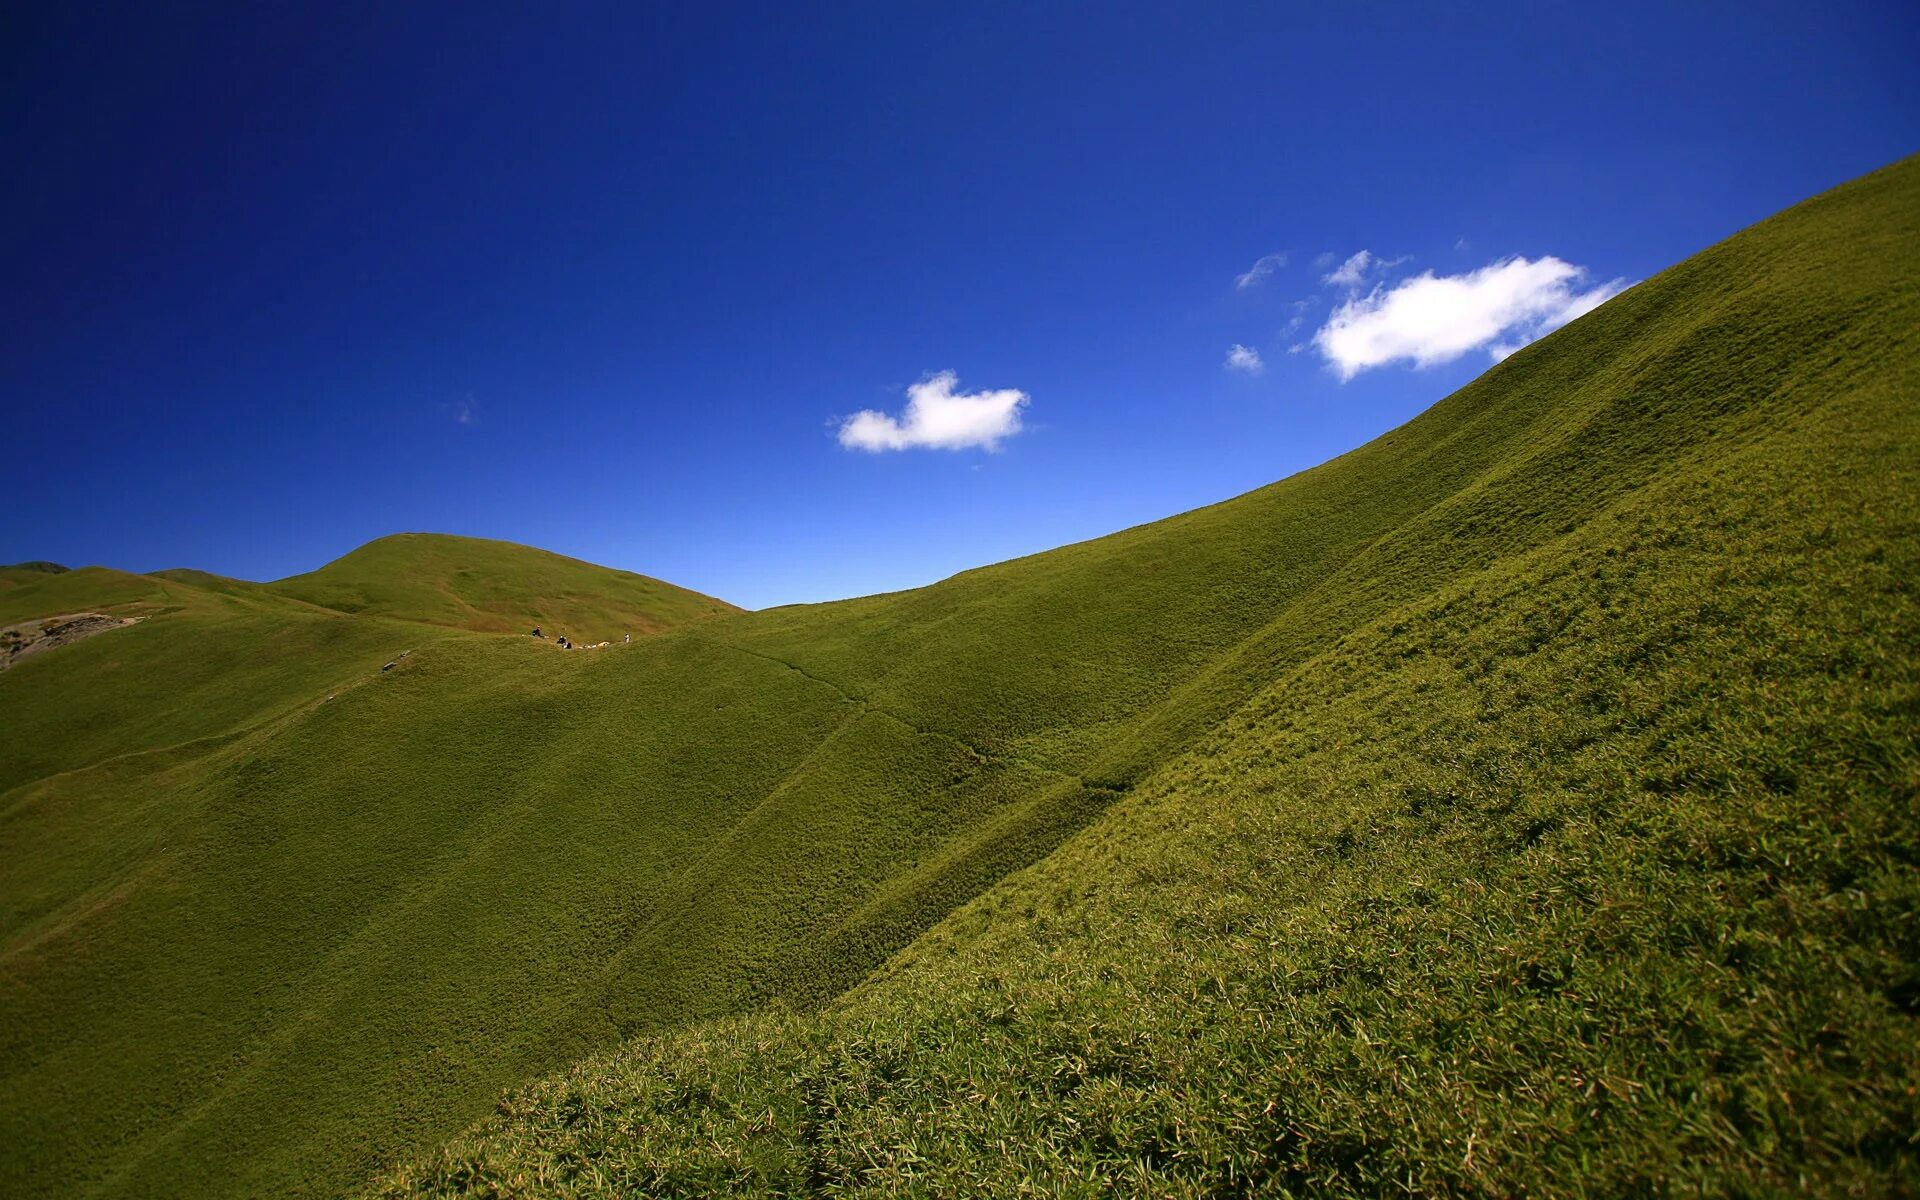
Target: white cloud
[(1299, 316), (1351, 273), (1261, 268), (1244, 359), (1432, 319), (938, 418), (1358, 268)]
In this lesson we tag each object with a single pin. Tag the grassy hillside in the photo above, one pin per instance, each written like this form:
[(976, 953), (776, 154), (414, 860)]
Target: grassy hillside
[(1588, 869), (1592, 873), (27, 572), (496, 587), (1528, 790)]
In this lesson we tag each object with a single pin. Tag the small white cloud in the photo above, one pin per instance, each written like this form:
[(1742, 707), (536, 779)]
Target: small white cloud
[(1324, 259), (1431, 319), (1299, 316), (1244, 359), (1261, 268), (938, 418)]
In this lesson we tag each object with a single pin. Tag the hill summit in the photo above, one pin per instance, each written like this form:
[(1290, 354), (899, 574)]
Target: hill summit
[(495, 587)]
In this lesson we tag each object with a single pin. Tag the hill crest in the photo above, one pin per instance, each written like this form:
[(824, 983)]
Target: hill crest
[(490, 586)]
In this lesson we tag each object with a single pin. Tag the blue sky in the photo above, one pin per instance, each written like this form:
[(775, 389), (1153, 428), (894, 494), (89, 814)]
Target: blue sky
[(280, 279)]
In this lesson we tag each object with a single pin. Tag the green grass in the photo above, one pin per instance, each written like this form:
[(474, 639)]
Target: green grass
[(27, 572), (497, 587), (1523, 801)]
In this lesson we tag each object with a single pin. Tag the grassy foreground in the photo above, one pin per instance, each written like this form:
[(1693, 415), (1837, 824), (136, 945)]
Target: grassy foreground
[(1524, 801)]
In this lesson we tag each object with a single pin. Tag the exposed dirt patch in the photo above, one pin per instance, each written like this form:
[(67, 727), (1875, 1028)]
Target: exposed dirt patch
[(44, 633)]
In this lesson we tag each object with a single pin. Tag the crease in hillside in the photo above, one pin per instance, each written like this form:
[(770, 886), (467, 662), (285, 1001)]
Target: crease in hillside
[(995, 758), (685, 881), (682, 882)]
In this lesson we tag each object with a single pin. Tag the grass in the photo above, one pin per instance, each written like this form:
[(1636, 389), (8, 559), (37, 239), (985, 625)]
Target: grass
[(497, 587), (1591, 874), (1524, 801), (27, 572)]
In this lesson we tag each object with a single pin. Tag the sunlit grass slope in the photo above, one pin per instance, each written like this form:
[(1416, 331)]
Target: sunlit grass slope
[(497, 587), (1327, 765)]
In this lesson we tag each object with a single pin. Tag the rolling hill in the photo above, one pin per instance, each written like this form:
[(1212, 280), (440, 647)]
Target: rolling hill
[(1522, 801), (496, 587), (27, 572)]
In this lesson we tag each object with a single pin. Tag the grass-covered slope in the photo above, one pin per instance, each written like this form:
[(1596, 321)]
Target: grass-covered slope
[(272, 951), (15, 574), (1588, 870), (496, 587), (1592, 873), (202, 664)]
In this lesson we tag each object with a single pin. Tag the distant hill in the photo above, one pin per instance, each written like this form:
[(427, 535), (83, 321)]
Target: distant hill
[(1519, 803), (41, 593), (27, 572), (496, 587)]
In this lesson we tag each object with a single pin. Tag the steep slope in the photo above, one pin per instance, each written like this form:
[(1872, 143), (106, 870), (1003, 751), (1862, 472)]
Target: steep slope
[(1589, 871), (1593, 873), (496, 587), (276, 956)]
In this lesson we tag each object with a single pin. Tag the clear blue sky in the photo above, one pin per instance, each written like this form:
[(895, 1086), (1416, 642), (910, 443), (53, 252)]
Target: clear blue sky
[(280, 279)]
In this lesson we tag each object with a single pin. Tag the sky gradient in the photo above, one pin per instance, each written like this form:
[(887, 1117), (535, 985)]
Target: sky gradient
[(788, 306)]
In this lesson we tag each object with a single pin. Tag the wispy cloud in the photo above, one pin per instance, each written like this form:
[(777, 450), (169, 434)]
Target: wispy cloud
[(1261, 268), (1359, 267), (1244, 359), (938, 418), (1431, 319), (1351, 273)]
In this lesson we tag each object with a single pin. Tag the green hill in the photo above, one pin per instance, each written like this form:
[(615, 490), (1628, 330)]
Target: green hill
[(1523, 801), (27, 572), (496, 587)]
